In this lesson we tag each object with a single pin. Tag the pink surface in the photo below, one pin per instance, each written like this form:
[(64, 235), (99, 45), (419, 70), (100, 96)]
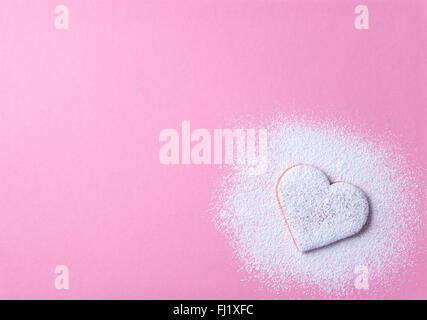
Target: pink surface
[(81, 111)]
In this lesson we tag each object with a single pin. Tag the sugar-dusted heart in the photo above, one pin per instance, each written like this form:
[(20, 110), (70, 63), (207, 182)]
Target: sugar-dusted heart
[(318, 212)]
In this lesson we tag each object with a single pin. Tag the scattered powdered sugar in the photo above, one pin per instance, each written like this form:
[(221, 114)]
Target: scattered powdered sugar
[(246, 209)]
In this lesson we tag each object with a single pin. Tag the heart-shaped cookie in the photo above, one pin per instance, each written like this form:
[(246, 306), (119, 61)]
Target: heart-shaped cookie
[(316, 211)]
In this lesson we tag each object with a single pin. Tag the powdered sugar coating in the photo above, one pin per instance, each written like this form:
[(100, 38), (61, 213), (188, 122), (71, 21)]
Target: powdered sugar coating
[(319, 213), (246, 209)]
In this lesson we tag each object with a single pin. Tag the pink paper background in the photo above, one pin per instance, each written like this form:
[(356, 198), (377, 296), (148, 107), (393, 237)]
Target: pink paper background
[(81, 111)]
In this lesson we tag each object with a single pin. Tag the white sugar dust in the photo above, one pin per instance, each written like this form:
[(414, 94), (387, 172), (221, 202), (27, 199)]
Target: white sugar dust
[(246, 209)]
